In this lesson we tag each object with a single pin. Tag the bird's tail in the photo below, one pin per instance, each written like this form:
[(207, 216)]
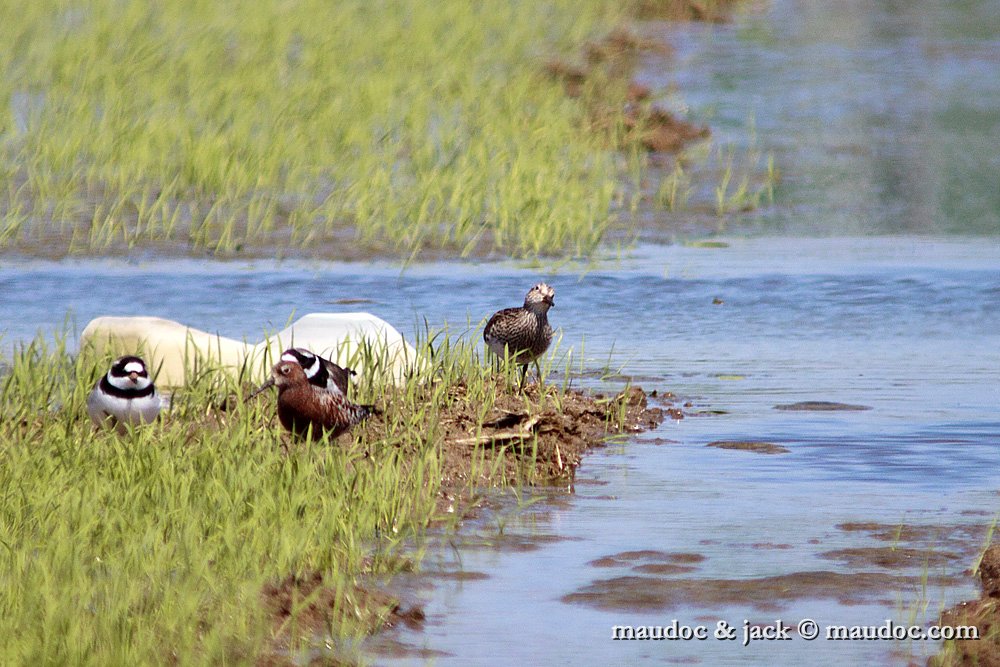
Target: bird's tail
[(359, 413)]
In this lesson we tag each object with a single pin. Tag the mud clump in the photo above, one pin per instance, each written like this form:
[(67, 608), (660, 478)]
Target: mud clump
[(989, 572), (965, 536), (629, 558), (890, 557), (663, 568), (309, 604), (634, 593), (750, 446), (651, 561), (538, 437), (820, 406), (983, 613), (617, 106), (708, 11)]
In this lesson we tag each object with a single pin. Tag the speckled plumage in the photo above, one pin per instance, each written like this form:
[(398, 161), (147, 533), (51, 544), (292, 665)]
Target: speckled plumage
[(302, 405), (124, 395), (522, 334)]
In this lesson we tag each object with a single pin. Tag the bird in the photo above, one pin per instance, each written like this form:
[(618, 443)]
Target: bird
[(304, 408), (321, 372), (124, 395), (522, 334)]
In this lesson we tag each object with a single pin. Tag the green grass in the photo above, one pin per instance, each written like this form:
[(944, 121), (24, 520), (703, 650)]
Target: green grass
[(155, 546), (401, 126)]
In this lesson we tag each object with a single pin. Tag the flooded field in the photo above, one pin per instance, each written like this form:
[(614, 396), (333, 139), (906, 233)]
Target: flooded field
[(897, 497)]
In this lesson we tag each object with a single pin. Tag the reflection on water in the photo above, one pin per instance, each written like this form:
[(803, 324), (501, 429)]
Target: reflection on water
[(883, 117)]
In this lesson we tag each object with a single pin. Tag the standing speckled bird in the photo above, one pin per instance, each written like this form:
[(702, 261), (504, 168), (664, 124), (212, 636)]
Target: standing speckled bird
[(124, 395), (523, 334), (304, 407)]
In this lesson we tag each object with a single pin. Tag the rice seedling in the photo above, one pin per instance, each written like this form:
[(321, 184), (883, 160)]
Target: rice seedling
[(675, 189), (407, 127), (211, 535)]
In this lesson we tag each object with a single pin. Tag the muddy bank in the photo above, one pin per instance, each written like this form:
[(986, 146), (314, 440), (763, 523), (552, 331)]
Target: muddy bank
[(306, 606), (750, 446), (618, 108), (650, 580), (983, 613), (538, 437), (658, 594)]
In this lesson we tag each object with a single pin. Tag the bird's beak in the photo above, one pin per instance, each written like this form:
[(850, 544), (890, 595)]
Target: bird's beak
[(551, 301), (133, 376), (264, 387)]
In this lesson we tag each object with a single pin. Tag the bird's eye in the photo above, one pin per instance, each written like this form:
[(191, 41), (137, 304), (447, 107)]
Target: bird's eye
[(284, 370)]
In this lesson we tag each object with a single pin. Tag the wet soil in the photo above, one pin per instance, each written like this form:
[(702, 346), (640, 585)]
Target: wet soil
[(538, 436), (306, 606), (983, 613), (650, 561), (915, 549), (535, 437), (820, 406), (710, 11), (641, 593), (750, 446), (617, 107), (967, 538), (890, 557)]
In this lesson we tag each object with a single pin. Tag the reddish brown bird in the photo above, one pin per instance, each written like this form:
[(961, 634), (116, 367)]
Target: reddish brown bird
[(304, 408)]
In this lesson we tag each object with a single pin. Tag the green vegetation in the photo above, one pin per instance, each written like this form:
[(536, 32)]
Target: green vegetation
[(744, 179), (157, 546), (400, 126)]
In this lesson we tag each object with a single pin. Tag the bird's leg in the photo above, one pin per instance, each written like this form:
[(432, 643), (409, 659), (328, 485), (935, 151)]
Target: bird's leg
[(524, 374), (538, 369)]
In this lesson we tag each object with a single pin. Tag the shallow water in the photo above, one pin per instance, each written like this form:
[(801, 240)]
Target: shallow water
[(882, 117), (910, 328)]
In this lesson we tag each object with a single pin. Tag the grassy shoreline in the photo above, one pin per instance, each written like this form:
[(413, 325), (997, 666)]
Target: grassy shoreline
[(210, 536), (207, 127), (343, 131)]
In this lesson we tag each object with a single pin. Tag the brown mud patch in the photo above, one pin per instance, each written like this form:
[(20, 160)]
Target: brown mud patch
[(750, 446), (617, 107), (983, 613), (633, 593), (663, 568), (536, 437), (509, 542), (709, 11), (459, 575), (306, 605), (890, 557), (625, 558), (820, 406), (965, 537), (651, 561)]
